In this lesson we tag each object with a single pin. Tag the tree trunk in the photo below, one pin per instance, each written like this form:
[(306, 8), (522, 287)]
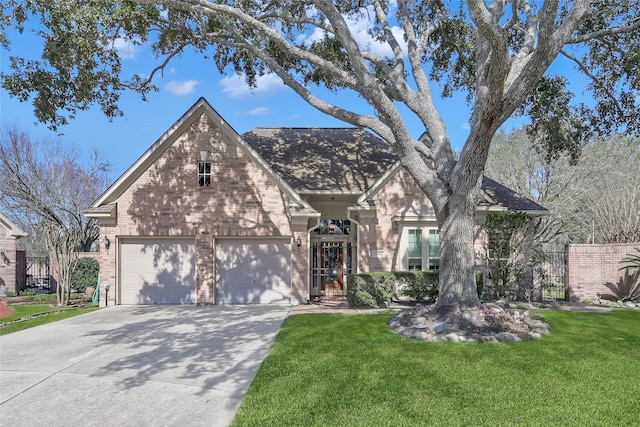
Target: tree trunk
[(457, 256)]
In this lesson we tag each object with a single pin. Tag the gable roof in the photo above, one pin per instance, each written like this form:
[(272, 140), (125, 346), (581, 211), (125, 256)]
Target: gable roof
[(104, 206), (323, 160), (12, 230)]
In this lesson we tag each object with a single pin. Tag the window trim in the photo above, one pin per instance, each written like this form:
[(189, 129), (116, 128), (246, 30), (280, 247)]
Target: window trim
[(427, 261), (202, 174)]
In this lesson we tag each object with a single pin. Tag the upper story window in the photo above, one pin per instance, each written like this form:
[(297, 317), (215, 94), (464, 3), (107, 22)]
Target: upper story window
[(204, 174)]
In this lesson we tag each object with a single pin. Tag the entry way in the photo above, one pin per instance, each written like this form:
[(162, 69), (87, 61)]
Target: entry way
[(331, 261)]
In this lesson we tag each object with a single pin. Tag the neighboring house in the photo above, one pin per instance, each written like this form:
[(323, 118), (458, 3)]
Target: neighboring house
[(9, 260), (208, 216)]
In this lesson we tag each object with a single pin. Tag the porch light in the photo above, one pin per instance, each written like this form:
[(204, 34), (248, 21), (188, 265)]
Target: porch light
[(107, 244), (298, 243), (203, 155)]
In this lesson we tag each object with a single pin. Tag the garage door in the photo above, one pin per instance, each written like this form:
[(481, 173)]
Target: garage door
[(157, 271), (253, 272)]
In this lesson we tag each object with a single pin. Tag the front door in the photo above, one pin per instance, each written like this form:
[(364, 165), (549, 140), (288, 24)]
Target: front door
[(331, 261)]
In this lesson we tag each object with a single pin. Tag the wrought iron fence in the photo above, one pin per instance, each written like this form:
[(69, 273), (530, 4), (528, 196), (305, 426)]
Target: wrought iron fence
[(551, 276), (39, 275)]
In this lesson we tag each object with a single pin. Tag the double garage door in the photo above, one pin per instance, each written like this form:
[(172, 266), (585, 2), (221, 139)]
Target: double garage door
[(162, 271)]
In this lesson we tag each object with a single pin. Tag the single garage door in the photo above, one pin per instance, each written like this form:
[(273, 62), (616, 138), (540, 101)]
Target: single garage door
[(253, 271), (157, 271)]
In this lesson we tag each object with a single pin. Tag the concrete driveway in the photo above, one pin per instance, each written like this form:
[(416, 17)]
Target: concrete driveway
[(135, 366)]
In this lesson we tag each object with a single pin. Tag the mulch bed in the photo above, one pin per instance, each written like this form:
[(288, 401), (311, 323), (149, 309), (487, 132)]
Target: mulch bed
[(5, 310)]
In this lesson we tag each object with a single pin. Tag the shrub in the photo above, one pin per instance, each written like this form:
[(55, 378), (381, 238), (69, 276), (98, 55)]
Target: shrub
[(378, 285), (362, 299), (85, 274), (420, 286), (631, 261), (378, 288)]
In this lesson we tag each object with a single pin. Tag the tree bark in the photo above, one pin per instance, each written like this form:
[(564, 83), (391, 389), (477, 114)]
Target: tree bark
[(457, 256)]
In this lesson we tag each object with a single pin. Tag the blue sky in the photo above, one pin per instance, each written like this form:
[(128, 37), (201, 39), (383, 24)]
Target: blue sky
[(184, 81)]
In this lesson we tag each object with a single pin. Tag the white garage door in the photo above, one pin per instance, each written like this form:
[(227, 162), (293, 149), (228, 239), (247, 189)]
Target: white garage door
[(253, 271), (157, 271)]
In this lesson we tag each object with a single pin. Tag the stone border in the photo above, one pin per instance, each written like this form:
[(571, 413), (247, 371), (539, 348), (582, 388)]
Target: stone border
[(488, 323)]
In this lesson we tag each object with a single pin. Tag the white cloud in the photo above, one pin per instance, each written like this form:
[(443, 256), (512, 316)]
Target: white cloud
[(359, 24), (179, 88), (126, 48), (465, 126), (235, 86), (260, 111)]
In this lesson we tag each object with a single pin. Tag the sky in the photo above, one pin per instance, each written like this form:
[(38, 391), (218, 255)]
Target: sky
[(187, 78)]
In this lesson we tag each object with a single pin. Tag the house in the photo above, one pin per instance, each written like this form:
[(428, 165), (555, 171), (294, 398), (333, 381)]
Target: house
[(11, 261), (208, 216)]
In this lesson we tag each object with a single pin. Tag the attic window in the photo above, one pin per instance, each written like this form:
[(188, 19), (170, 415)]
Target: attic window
[(204, 174)]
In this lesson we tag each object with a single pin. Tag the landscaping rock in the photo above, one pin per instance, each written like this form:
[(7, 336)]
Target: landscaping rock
[(417, 320), (421, 335), (439, 328), (488, 323), (452, 337)]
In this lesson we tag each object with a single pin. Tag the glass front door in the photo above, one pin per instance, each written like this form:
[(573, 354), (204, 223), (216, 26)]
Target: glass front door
[(331, 261)]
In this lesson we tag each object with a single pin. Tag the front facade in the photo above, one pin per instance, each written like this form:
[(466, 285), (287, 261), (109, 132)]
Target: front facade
[(275, 216)]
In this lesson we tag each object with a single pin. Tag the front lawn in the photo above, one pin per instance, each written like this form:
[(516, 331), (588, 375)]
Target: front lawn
[(30, 315), (351, 370)]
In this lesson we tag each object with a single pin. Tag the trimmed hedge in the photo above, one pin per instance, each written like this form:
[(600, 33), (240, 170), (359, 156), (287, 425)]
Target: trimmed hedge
[(85, 274), (376, 289)]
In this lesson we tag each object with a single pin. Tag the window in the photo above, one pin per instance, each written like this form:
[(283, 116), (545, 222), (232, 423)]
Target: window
[(423, 254), (415, 249), (204, 174), (434, 249)]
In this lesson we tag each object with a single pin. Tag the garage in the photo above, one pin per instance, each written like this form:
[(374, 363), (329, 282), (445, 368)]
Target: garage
[(256, 271), (157, 271)]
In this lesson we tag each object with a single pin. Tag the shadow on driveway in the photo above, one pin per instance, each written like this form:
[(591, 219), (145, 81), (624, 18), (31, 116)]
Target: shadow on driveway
[(128, 365)]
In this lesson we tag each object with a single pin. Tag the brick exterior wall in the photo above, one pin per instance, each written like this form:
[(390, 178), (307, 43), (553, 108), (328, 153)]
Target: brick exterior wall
[(242, 201), (8, 262), (380, 247), (589, 267)]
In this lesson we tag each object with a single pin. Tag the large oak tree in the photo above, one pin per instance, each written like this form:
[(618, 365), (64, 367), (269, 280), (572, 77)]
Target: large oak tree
[(497, 52)]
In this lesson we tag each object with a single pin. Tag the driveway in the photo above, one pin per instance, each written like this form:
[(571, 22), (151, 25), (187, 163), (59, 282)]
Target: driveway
[(135, 366)]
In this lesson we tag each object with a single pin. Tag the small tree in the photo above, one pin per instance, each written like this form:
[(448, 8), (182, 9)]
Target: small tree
[(42, 185), (508, 250)]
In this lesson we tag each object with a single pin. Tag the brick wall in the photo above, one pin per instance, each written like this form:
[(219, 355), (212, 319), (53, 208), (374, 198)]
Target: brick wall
[(589, 267), (242, 201), (381, 246), (7, 262)]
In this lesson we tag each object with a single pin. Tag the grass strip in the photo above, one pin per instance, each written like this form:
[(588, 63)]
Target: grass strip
[(28, 316)]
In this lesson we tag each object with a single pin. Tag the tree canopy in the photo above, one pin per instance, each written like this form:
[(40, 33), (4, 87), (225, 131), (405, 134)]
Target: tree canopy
[(499, 53)]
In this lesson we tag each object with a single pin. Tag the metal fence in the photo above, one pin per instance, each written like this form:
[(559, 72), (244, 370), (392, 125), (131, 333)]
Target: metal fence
[(551, 276), (39, 275)]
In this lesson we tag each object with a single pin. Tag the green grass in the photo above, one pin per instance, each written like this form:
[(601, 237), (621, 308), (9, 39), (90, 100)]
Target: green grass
[(351, 370), (53, 314)]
